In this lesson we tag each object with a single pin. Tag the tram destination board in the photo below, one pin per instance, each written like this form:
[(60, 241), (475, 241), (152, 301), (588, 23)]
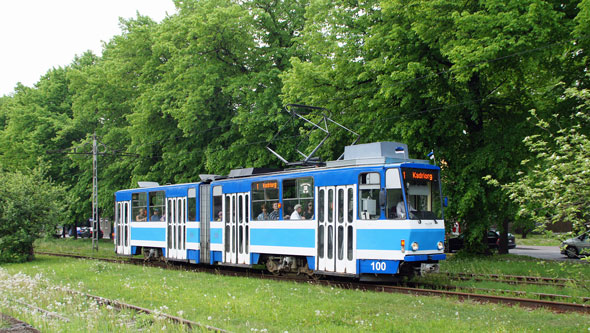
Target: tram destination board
[(420, 174)]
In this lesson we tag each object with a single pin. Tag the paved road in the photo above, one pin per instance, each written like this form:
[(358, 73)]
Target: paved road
[(542, 252)]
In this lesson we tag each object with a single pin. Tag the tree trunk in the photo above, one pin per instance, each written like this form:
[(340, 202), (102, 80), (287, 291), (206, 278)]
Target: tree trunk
[(503, 244)]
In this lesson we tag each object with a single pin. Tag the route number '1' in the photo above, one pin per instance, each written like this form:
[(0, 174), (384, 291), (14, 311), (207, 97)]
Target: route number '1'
[(378, 266)]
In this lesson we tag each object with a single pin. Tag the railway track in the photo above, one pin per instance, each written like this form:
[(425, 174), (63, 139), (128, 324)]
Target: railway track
[(478, 297), (121, 305), (514, 279), (543, 296)]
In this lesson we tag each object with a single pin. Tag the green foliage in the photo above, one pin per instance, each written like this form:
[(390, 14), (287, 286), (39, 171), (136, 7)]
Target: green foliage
[(556, 187), (29, 207), (440, 75)]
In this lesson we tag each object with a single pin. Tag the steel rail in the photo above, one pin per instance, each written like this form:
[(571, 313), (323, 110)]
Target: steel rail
[(516, 279), (501, 291), (15, 325), (121, 305), (525, 302)]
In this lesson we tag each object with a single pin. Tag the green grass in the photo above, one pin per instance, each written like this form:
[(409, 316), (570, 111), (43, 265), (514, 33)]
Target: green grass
[(23, 292), (246, 304), (548, 239), (80, 246), (4, 324), (515, 265)]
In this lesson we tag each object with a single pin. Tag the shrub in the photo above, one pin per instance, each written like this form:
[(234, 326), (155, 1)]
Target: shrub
[(30, 206)]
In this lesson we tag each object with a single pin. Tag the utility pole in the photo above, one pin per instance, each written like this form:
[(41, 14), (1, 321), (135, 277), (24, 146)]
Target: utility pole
[(95, 217), (98, 148)]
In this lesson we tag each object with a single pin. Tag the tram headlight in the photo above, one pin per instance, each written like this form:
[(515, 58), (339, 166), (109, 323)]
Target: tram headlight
[(414, 246), (403, 244), (441, 246)]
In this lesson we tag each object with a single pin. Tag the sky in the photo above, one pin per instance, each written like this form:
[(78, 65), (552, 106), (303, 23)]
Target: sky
[(37, 35)]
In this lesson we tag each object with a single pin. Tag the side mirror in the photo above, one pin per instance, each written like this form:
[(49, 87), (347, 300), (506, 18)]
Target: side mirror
[(445, 202), (382, 198)]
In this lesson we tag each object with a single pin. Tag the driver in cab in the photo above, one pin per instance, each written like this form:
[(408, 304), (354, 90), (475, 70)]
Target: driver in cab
[(401, 208)]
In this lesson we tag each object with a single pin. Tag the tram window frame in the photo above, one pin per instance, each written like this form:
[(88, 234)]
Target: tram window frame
[(422, 187), (217, 204), (297, 191), (369, 188), (192, 204), (138, 202), (393, 186), (157, 200), (264, 193)]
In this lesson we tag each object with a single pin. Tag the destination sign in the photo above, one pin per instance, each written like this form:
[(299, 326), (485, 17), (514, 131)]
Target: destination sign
[(415, 174), (266, 185)]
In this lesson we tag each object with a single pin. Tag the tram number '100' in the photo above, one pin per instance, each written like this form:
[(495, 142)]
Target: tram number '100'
[(379, 266)]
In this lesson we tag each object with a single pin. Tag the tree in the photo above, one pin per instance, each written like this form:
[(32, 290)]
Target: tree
[(454, 77), (555, 185), (29, 207)]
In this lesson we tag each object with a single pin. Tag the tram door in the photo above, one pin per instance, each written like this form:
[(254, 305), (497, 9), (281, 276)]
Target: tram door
[(176, 228), (335, 229), (344, 216), (243, 228), (229, 218), (122, 234), (237, 229), (326, 228)]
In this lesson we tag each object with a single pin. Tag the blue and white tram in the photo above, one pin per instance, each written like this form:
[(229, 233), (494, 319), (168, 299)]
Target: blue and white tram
[(347, 218)]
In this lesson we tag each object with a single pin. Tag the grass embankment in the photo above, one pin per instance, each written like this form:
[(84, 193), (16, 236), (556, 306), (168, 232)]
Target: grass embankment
[(518, 266), (244, 304)]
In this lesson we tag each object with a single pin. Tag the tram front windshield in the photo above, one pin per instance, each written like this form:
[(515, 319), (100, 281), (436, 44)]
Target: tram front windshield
[(422, 190)]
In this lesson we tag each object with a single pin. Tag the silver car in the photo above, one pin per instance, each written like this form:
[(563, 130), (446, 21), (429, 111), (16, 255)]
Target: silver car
[(577, 246)]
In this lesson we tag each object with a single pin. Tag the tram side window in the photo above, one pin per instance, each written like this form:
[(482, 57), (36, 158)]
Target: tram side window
[(297, 191), (217, 204), (369, 186), (139, 207), (264, 196), (192, 204), (157, 206)]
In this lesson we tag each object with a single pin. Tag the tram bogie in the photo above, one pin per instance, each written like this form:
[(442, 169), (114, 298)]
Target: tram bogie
[(375, 213)]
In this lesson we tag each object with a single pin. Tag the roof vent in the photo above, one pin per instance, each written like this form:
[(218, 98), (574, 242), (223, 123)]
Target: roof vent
[(387, 149), (208, 177), (147, 184), (250, 171)]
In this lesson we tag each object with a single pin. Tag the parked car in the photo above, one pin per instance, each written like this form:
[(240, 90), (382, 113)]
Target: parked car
[(577, 246), (83, 232), (493, 240), (100, 233)]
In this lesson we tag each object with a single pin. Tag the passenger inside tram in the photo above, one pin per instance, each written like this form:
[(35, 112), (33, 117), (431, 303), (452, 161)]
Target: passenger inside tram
[(297, 211), (263, 216), (142, 215), (275, 214), (156, 216), (309, 212)]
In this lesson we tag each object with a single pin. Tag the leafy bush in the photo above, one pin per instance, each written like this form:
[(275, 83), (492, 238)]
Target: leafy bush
[(29, 207)]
